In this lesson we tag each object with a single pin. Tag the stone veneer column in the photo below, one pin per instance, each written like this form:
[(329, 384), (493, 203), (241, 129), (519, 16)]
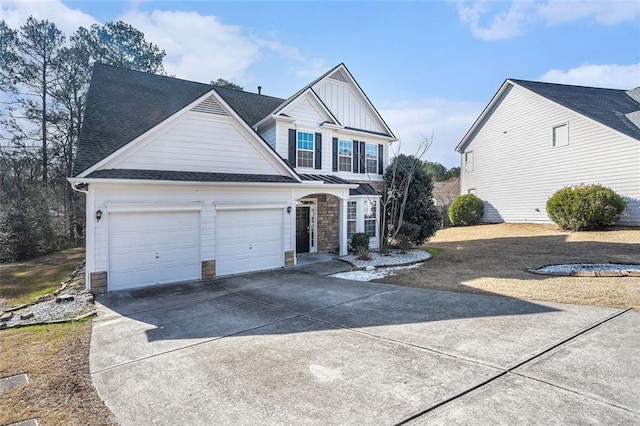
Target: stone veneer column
[(288, 258), (328, 223), (208, 269), (98, 282)]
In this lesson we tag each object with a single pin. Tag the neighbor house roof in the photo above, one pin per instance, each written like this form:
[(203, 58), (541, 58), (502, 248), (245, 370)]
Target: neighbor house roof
[(606, 106)]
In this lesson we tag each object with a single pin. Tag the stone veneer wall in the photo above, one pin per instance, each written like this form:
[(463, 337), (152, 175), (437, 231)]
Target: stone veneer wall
[(288, 258), (208, 269), (328, 223), (98, 282)]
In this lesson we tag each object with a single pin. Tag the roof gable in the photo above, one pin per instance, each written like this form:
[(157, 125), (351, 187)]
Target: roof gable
[(127, 110), (610, 107)]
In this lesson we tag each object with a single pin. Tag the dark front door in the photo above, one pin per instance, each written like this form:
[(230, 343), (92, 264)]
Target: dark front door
[(302, 229)]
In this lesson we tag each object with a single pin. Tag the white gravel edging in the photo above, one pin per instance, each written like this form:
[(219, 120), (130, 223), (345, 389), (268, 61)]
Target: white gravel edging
[(373, 274), (589, 269), (394, 258)]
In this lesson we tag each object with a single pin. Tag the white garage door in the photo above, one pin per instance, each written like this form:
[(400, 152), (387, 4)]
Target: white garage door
[(248, 240), (153, 248)]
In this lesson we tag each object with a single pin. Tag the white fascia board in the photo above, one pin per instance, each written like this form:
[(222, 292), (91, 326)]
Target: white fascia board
[(480, 120), (319, 106), (352, 132), (268, 153), (303, 184), (364, 97), (145, 135)]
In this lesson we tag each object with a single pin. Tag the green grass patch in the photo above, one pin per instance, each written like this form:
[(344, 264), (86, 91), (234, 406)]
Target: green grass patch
[(433, 251), (23, 282)]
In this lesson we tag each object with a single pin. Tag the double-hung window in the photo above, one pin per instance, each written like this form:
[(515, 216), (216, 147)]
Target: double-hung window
[(305, 149), (371, 158), (351, 219), (345, 155), (370, 222)]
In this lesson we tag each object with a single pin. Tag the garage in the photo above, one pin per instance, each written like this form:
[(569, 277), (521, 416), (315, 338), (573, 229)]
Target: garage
[(149, 248), (249, 240)]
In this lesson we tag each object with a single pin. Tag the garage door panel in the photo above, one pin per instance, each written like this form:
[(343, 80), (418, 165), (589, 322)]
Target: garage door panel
[(153, 248), (249, 240)]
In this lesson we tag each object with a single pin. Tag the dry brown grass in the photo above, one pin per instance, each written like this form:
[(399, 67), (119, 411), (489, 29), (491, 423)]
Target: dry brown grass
[(22, 282), (55, 357), (493, 259)]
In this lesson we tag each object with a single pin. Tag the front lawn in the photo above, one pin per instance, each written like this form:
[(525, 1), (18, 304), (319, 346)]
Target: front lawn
[(55, 357), (493, 259)]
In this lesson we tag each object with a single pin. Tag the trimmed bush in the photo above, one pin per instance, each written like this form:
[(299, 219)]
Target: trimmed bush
[(409, 236), (359, 241), (466, 210), (585, 207)]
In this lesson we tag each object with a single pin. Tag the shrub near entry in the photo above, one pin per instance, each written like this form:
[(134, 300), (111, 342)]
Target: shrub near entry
[(585, 207), (466, 210), (360, 245)]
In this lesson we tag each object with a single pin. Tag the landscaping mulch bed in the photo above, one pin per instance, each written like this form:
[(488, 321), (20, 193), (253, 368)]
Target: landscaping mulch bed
[(496, 259)]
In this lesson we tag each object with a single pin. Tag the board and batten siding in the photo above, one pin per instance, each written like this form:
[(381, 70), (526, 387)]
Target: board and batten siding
[(516, 167), (207, 195), (348, 107), (198, 142)]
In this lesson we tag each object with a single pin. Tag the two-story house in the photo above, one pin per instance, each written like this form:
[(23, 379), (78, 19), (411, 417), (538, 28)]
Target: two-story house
[(187, 181)]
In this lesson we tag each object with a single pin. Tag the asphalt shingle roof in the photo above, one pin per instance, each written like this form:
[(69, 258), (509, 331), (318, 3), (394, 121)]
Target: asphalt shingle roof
[(607, 106), (117, 95), (251, 107), (187, 176)]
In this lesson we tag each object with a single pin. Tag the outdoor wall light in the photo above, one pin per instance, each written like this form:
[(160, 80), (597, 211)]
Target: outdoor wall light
[(98, 215), (289, 209)]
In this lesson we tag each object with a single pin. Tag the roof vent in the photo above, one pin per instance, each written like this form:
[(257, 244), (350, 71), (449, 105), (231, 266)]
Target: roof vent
[(634, 94), (210, 106), (339, 75), (259, 90)]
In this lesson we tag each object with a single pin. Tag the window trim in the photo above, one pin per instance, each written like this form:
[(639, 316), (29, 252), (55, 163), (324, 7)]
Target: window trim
[(553, 134), (312, 150), (367, 160), (354, 220), (468, 161), (350, 157)]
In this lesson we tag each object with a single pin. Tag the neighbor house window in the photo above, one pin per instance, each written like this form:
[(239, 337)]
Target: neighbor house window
[(351, 219), (371, 158), (561, 135), (305, 149), (345, 155), (468, 161), (370, 223)]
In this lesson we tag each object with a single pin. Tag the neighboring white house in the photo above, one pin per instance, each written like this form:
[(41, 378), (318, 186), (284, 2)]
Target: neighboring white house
[(188, 181), (536, 138)]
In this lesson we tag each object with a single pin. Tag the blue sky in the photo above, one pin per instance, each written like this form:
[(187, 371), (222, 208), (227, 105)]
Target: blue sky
[(429, 67)]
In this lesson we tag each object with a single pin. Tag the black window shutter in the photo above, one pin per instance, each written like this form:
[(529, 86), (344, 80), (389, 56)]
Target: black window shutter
[(356, 157), (292, 147), (318, 146), (334, 153), (380, 157), (363, 158)]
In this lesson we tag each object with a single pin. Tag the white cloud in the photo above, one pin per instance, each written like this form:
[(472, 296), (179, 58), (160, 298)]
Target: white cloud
[(15, 13), (490, 21), (447, 120), (201, 47), (611, 76)]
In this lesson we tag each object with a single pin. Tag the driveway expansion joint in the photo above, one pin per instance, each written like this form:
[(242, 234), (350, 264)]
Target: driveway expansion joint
[(509, 370)]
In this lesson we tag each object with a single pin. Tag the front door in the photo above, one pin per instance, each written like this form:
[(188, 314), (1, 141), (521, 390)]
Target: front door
[(302, 229)]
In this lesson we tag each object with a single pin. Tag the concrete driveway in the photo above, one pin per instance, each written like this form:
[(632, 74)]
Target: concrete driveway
[(296, 347)]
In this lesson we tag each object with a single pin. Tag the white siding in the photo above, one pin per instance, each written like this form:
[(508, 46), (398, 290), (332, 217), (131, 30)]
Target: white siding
[(269, 135), (517, 168), (306, 115), (198, 142), (207, 194), (348, 106)]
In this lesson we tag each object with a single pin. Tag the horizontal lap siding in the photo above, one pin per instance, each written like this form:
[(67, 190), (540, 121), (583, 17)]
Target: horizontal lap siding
[(200, 143), (517, 171)]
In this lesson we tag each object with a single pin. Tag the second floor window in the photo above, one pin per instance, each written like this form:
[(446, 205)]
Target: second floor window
[(371, 158), (305, 149), (345, 155)]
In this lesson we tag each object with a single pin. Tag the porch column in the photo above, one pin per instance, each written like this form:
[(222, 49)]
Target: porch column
[(343, 227)]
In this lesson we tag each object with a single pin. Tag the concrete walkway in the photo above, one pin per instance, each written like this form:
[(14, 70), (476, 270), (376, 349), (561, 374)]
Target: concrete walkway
[(295, 347)]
